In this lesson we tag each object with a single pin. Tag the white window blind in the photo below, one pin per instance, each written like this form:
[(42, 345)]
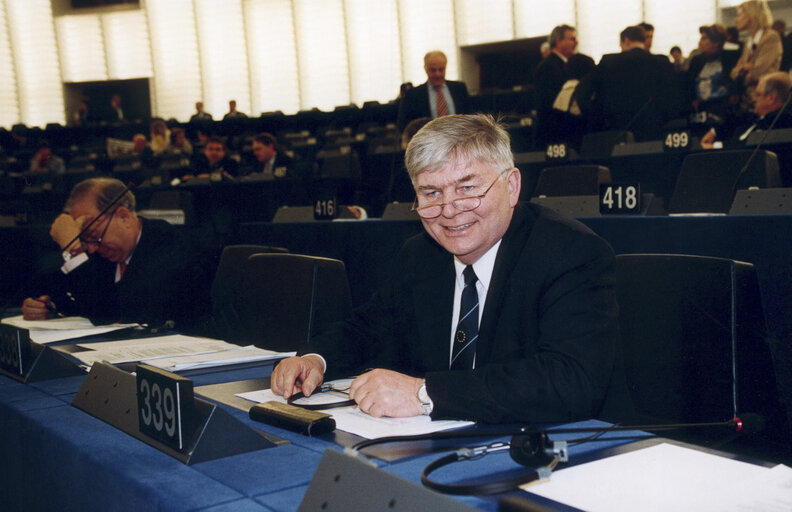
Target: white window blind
[(127, 46), (272, 56), (9, 114), (177, 68), (533, 18), (32, 32), (671, 29), (322, 53), (374, 49), (427, 26), (483, 22), (224, 63), (81, 48), (599, 23)]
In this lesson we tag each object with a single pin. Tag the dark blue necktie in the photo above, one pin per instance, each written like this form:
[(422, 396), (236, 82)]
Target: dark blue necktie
[(464, 349)]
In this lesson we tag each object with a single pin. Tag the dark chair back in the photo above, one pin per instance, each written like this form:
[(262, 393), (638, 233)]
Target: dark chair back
[(708, 181), (694, 341), (571, 180), (601, 144), (287, 298), (225, 293)]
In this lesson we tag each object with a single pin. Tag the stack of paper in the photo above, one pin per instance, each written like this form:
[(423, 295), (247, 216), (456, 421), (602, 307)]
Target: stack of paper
[(60, 329), (174, 352), (669, 477), (352, 420)]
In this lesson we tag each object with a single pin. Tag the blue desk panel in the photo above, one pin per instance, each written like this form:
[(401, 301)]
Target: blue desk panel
[(56, 456)]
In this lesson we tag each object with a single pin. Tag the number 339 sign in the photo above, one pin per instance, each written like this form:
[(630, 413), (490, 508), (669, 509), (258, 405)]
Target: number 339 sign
[(165, 406)]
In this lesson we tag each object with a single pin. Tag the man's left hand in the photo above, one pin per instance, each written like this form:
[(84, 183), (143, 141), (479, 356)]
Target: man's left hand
[(387, 393)]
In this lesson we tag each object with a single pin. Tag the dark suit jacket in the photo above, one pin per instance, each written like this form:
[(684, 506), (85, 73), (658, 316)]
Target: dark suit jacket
[(545, 351), (167, 278), (415, 103), (759, 124), (630, 82), (549, 76), (200, 165), (282, 167)]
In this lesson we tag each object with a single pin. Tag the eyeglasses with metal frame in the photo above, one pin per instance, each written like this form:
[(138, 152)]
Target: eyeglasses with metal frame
[(98, 241), (463, 204)]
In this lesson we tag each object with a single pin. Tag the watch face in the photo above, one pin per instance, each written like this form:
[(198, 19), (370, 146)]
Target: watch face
[(423, 396)]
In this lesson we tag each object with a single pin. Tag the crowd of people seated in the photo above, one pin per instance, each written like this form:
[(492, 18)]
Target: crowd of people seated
[(720, 89)]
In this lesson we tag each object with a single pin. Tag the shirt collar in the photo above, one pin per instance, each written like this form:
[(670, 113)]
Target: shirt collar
[(483, 267), (758, 36), (561, 56)]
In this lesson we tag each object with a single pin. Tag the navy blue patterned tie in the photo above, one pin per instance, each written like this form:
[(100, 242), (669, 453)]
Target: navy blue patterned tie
[(464, 349)]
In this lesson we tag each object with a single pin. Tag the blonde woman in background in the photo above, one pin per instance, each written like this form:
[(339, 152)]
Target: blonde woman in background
[(761, 53), (160, 136)]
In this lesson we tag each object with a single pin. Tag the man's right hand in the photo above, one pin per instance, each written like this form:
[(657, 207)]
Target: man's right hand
[(64, 229), (295, 374), (36, 309)]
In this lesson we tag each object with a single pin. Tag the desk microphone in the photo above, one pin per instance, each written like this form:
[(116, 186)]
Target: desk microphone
[(531, 447)]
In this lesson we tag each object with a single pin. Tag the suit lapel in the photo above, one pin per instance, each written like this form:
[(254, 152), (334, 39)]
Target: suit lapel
[(433, 299), (508, 255)]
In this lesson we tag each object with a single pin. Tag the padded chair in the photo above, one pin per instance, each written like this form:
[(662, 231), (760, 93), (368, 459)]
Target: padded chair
[(284, 299), (571, 180), (174, 200), (225, 321), (694, 343), (709, 180), (601, 144)]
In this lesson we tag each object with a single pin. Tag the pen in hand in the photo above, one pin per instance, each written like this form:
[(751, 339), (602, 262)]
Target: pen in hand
[(52, 309)]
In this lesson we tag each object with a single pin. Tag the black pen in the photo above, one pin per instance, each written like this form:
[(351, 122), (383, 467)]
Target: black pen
[(51, 308)]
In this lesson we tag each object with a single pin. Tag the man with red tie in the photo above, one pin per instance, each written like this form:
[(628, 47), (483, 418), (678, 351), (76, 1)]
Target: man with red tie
[(145, 271), (436, 97)]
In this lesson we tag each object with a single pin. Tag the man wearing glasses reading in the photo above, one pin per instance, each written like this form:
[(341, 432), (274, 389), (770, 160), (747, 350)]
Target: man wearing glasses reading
[(501, 312), (145, 272)]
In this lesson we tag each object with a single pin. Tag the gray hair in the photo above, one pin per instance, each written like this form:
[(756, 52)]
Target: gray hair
[(105, 191), (434, 53), (476, 137), (779, 83)]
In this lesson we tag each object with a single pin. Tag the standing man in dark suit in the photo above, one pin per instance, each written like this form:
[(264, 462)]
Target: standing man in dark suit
[(437, 96), (550, 76), (632, 89), (116, 266), (500, 312)]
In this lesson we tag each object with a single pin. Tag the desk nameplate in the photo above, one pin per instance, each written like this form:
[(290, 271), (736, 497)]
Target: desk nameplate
[(26, 361), (110, 394)]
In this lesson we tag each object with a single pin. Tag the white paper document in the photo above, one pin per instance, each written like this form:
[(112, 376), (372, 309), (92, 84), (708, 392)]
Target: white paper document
[(231, 356), (669, 477), (142, 349), (60, 329), (352, 420)]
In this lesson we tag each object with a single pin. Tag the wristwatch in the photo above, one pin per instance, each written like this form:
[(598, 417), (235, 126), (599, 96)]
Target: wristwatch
[(426, 403)]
